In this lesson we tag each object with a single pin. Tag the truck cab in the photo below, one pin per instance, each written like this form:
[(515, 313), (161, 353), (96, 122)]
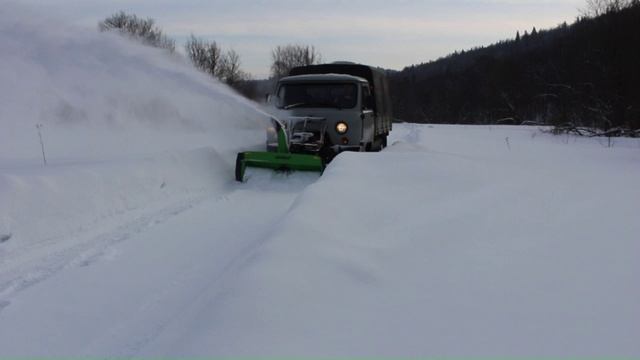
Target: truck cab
[(331, 108)]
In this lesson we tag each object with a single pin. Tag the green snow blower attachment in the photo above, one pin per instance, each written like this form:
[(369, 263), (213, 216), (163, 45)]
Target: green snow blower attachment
[(282, 159)]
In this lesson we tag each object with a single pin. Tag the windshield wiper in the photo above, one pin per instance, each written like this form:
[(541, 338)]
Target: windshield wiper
[(328, 105), (291, 106), (318, 104)]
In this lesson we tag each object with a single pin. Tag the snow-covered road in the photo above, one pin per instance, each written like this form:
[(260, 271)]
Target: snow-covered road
[(120, 289)]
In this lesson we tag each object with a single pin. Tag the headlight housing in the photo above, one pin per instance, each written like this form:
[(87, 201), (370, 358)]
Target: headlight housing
[(342, 127)]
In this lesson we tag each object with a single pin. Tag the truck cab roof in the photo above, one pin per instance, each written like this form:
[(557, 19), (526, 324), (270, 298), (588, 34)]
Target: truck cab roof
[(323, 78)]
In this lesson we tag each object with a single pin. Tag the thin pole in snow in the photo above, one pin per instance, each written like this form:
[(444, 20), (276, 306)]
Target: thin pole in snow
[(44, 158)]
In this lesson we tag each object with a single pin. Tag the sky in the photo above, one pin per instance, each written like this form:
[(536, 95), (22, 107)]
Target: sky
[(385, 33)]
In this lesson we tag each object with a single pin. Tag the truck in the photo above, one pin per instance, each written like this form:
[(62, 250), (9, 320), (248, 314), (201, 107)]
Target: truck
[(324, 110)]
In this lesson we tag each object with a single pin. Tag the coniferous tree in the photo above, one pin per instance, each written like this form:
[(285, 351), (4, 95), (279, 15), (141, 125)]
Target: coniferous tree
[(583, 74)]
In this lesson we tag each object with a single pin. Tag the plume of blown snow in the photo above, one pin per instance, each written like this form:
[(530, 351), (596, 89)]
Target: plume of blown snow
[(125, 127), (103, 95)]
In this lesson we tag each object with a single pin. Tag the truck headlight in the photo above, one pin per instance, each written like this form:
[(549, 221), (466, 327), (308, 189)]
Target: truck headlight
[(342, 127)]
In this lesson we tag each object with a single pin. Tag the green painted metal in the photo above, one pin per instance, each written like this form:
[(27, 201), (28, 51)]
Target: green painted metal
[(281, 160), (283, 146)]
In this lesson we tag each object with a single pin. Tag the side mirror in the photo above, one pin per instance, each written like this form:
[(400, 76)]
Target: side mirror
[(273, 100)]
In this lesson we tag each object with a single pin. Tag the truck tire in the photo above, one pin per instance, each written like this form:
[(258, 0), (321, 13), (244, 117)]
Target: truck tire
[(239, 167), (326, 152), (368, 147), (380, 143)]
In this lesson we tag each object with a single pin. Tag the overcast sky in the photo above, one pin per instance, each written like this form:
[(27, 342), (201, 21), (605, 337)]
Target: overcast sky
[(386, 33)]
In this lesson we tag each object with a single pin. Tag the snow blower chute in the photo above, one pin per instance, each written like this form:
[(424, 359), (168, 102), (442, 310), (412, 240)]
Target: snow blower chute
[(281, 159)]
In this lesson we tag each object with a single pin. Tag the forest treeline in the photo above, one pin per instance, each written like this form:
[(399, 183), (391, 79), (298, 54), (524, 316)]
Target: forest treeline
[(586, 74), (582, 77)]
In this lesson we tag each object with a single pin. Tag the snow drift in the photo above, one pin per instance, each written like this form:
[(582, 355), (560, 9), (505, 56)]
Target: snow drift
[(455, 241), (140, 118)]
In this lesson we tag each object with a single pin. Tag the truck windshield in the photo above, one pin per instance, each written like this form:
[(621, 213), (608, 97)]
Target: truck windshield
[(333, 95)]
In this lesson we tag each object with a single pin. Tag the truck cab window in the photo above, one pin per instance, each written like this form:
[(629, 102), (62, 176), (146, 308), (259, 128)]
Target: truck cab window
[(318, 95), (367, 99)]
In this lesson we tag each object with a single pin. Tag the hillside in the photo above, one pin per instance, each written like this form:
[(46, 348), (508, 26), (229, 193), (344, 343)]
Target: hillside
[(585, 73)]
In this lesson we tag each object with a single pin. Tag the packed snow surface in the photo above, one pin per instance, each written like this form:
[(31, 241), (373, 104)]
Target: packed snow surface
[(135, 240)]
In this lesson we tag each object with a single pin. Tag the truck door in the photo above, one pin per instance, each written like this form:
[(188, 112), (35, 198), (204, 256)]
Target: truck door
[(368, 117)]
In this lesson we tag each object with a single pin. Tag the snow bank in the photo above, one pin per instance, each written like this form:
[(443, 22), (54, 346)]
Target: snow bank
[(456, 241), (451, 243), (67, 199), (119, 121)]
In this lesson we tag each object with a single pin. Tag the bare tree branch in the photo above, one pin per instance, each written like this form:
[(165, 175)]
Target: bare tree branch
[(599, 7), (137, 28), (286, 57), (206, 56)]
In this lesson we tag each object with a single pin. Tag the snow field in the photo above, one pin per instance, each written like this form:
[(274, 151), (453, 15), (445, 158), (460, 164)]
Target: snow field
[(42, 204), (113, 303), (449, 243)]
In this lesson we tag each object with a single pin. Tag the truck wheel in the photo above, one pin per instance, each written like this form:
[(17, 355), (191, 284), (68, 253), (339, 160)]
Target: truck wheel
[(240, 167), (380, 143), (326, 152)]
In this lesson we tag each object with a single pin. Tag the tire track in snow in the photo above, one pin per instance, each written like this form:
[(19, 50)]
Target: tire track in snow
[(135, 345), (144, 279), (187, 290), (83, 254)]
